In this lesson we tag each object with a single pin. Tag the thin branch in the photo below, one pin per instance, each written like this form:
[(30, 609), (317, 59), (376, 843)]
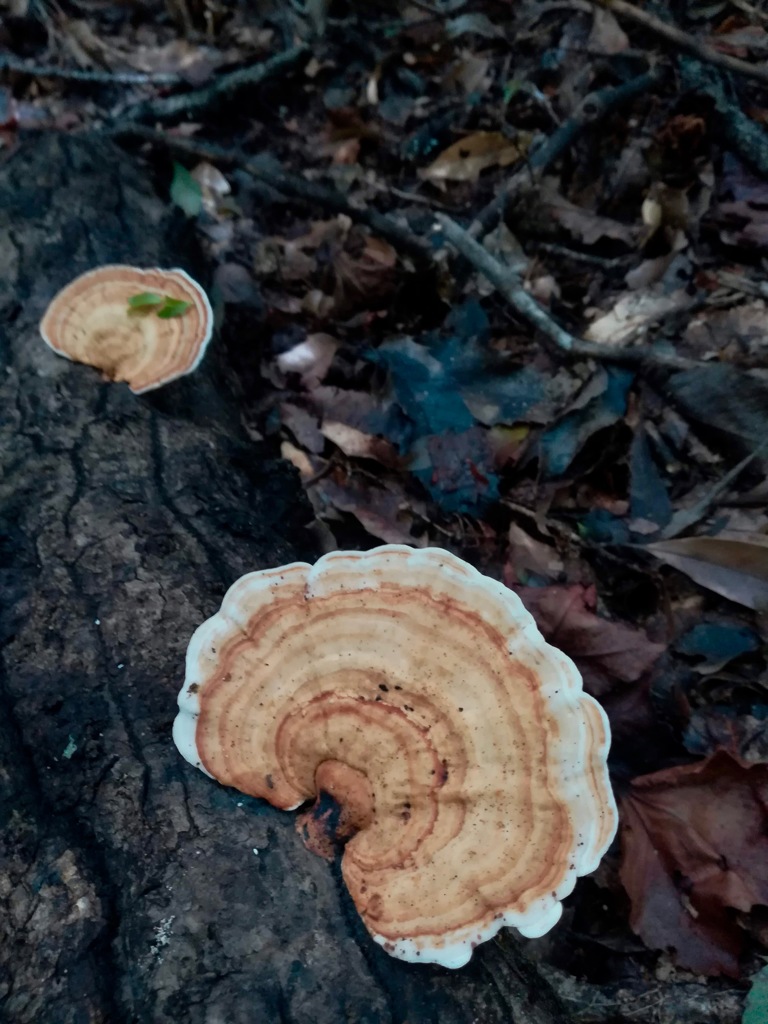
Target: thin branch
[(747, 137), (588, 258), (751, 10), (270, 173), (423, 6), (222, 87), (740, 283), (684, 518), (510, 286), (592, 109), (684, 41), (8, 62)]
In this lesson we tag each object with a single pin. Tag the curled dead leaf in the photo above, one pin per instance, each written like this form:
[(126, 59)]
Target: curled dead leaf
[(734, 565)]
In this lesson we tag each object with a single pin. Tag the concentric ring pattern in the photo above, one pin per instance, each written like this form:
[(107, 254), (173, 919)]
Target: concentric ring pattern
[(420, 695), (89, 322)]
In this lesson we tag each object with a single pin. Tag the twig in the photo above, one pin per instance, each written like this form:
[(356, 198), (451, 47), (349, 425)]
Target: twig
[(748, 138), (409, 197), (510, 286), (739, 283), (604, 262), (308, 193), (686, 517), (751, 10), (684, 41), (222, 87), (422, 6), (8, 62), (592, 109)]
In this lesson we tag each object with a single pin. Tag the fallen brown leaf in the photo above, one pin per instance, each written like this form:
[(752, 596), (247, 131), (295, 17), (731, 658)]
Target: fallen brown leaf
[(385, 512), (365, 272), (607, 36), (584, 224), (467, 158), (357, 444), (303, 425), (470, 71), (634, 313), (298, 458), (605, 652), (733, 565), (528, 555), (741, 41), (740, 209), (694, 848)]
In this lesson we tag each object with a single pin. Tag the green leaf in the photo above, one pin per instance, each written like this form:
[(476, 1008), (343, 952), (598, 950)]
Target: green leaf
[(185, 191), (511, 88), (145, 300), (173, 308), (756, 1009)]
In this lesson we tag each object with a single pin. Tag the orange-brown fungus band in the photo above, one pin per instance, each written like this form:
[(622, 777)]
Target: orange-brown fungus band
[(468, 764), (90, 322)]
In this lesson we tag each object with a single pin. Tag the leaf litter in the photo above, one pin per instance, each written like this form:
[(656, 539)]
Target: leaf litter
[(419, 408)]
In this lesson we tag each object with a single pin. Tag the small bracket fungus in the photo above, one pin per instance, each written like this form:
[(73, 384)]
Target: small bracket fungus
[(90, 321), (416, 696)]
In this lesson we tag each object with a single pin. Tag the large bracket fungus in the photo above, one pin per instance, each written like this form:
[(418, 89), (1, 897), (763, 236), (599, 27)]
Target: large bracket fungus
[(466, 762), (90, 321)]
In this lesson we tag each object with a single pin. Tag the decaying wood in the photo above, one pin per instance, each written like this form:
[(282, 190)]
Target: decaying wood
[(661, 1002), (132, 887)]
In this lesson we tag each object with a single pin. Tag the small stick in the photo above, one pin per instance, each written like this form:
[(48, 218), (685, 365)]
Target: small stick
[(748, 138), (8, 62), (308, 193), (222, 86), (592, 109), (687, 517), (510, 286), (742, 284), (684, 41), (604, 262)]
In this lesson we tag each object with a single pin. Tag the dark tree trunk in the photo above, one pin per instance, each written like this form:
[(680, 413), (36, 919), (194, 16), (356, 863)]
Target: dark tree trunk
[(130, 885)]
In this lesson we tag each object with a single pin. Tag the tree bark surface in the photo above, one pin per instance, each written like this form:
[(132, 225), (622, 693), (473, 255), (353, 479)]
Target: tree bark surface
[(132, 887)]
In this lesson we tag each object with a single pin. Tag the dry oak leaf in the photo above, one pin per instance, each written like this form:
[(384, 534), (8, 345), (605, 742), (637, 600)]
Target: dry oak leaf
[(605, 652), (467, 158), (694, 850)]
